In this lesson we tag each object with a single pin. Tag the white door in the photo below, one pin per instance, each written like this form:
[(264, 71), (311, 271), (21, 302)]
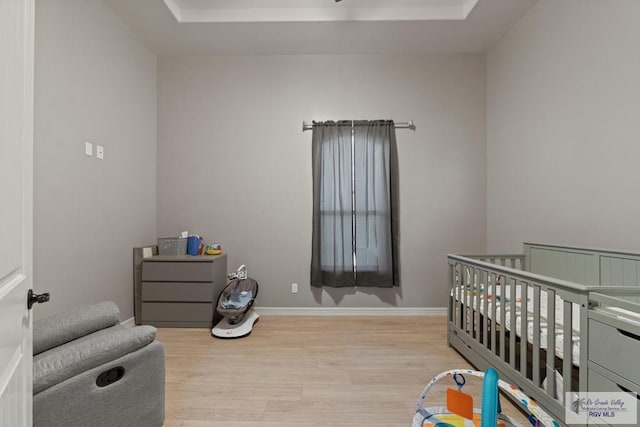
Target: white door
[(16, 201)]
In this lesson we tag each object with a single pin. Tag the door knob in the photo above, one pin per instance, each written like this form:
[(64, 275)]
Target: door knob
[(36, 298)]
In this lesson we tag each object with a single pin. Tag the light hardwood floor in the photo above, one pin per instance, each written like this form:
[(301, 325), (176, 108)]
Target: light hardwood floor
[(309, 371)]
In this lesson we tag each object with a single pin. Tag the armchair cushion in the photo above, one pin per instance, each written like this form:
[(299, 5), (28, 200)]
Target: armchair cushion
[(66, 361), (68, 326), (89, 370)]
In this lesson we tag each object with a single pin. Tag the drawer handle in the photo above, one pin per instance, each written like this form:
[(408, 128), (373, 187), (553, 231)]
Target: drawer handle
[(626, 390), (629, 334)]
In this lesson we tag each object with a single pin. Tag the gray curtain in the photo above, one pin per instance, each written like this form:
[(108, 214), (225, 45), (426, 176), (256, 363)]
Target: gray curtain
[(355, 204)]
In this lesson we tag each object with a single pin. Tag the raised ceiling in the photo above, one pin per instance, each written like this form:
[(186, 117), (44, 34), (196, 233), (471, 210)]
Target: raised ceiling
[(186, 11), (263, 27)]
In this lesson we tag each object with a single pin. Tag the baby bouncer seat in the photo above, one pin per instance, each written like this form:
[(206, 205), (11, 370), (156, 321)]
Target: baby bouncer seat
[(235, 305)]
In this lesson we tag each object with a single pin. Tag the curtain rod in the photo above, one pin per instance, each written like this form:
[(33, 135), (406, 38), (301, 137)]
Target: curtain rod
[(398, 125)]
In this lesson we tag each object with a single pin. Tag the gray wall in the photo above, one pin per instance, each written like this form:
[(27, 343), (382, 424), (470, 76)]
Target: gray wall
[(94, 82), (235, 166), (563, 127)]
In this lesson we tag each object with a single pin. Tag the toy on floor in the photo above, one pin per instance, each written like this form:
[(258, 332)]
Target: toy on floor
[(459, 410)]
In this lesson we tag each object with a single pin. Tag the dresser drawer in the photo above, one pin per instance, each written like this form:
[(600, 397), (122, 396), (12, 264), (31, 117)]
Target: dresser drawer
[(177, 312), (153, 271), (178, 292), (614, 349), (601, 384)]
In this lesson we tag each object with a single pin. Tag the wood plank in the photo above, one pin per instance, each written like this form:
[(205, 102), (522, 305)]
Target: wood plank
[(309, 371)]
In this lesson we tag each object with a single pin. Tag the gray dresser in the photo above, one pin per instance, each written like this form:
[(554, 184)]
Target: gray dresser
[(614, 350), (181, 291)]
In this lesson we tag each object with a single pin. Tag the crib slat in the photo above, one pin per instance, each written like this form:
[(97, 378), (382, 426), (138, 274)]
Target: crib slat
[(503, 310), (524, 323), (467, 305), (567, 352), (452, 298), (494, 322), (456, 286), (461, 300), (582, 347), (551, 342), (475, 299), (512, 317), (536, 335), (485, 310)]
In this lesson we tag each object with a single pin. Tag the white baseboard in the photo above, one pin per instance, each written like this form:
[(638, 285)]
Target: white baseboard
[(352, 311), (338, 311), (128, 322)]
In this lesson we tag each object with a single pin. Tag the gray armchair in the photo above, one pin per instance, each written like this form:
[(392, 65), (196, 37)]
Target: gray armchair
[(88, 370)]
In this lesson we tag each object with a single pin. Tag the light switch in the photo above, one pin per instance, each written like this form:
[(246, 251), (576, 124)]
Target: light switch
[(100, 152), (88, 149)]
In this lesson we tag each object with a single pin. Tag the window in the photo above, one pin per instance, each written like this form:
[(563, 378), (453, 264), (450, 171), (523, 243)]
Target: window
[(355, 223)]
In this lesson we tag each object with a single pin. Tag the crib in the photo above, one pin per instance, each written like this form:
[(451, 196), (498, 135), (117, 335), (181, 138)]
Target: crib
[(552, 320)]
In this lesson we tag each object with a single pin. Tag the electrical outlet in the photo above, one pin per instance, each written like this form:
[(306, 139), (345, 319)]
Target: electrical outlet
[(294, 288), (100, 152)]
